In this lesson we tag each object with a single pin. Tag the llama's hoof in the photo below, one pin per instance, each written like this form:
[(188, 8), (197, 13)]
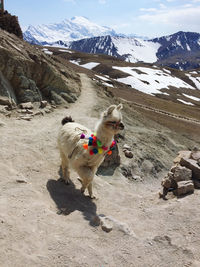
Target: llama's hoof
[(67, 182), (93, 197)]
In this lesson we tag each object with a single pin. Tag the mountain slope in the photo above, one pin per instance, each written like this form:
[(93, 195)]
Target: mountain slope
[(68, 30), (180, 50), (127, 48)]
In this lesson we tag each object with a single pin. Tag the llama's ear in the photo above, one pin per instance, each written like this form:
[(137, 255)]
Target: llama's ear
[(109, 110), (119, 107)]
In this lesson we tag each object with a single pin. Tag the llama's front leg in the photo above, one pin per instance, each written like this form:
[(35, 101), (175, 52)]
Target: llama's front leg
[(90, 191)]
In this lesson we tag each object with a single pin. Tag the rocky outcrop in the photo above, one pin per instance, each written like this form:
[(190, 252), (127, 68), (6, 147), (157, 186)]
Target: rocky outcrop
[(184, 176), (27, 74), (10, 24)]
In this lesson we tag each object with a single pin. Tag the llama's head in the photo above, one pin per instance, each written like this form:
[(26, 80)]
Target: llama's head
[(112, 119)]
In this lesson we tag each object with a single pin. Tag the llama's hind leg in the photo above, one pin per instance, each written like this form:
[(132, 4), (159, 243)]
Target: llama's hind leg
[(65, 168), (86, 174)]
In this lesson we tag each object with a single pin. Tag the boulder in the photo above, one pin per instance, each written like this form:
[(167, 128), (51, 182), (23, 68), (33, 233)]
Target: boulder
[(195, 155), (181, 173), (181, 154), (27, 105), (184, 187), (112, 160), (43, 103), (193, 166), (7, 95), (126, 147), (128, 154)]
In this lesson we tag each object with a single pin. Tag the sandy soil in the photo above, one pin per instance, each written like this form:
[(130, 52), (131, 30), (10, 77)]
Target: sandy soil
[(44, 222)]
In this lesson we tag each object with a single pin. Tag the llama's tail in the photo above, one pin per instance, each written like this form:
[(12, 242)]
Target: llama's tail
[(67, 119)]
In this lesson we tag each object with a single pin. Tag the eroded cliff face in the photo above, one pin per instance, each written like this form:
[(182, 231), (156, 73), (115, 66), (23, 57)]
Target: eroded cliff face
[(28, 74)]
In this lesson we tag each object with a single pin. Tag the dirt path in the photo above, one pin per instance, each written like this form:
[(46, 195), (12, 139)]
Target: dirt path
[(46, 223)]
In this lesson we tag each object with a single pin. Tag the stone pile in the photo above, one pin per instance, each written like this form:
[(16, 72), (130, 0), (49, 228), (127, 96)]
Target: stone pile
[(26, 111), (184, 175)]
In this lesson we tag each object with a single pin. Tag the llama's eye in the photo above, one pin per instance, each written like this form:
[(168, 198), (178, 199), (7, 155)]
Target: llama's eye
[(113, 122)]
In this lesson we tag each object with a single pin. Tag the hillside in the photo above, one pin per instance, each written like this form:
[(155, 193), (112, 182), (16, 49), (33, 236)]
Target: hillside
[(46, 223), (28, 74)]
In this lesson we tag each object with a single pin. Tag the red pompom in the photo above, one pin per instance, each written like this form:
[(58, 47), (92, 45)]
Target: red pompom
[(91, 152)]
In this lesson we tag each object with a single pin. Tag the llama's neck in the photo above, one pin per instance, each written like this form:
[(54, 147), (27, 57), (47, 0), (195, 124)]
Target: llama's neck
[(104, 135)]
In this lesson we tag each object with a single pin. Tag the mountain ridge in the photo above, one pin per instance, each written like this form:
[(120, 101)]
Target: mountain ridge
[(180, 50)]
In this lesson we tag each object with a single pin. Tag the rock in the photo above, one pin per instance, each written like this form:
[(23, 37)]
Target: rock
[(4, 100), (193, 166), (126, 147), (11, 24), (22, 180), (105, 222), (25, 111), (59, 100), (128, 154), (196, 184), (109, 223), (182, 154), (166, 183), (39, 112), (27, 105), (181, 173), (112, 160), (2, 123), (43, 103), (106, 226), (184, 187), (70, 98), (137, 178), (7, 95), (195, 155), (27, 118), (28, 90)]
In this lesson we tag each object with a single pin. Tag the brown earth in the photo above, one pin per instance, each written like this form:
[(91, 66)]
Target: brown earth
[(46, 223)]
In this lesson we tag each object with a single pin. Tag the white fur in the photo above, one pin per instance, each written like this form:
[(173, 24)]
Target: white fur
[(71, 146)]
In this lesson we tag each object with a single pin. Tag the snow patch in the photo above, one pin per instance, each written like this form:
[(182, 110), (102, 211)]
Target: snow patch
[(151, 81), (102, 78), (185, 102), (136, 49), (192, 97), (90, 65), (65, 50)]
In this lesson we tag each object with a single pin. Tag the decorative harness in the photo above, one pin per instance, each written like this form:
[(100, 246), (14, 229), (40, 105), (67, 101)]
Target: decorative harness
[(98, 148)]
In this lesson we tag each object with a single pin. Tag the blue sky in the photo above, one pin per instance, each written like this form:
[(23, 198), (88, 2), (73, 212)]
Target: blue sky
[(143, 17)]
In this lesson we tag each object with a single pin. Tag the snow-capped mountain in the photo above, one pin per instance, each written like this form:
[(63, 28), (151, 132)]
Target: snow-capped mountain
[(127, 48), (68, 30), (180, 50)]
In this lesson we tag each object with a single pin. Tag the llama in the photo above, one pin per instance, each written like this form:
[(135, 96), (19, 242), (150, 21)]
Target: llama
[(83, 150)]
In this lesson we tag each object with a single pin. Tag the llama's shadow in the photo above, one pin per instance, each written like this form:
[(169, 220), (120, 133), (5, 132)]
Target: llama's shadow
[(69, 199)]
